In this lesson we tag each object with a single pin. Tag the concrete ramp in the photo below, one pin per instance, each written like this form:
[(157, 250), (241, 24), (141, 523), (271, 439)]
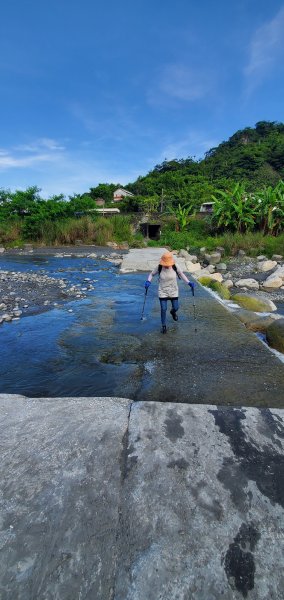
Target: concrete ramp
[(103, 498)]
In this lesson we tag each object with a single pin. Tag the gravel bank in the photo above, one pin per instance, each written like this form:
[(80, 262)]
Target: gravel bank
[(23, 294)]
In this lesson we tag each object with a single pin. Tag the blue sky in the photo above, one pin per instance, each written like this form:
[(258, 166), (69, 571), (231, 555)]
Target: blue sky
[(103, 91)]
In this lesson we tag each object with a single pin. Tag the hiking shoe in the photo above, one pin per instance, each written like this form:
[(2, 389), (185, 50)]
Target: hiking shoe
[(164, 329), (174, 314)]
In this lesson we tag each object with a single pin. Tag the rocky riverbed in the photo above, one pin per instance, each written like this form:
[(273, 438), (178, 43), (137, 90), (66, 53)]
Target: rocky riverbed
[(27, 293)]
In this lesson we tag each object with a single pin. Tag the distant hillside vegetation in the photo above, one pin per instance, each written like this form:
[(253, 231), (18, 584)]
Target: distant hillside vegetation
[(254, 156)]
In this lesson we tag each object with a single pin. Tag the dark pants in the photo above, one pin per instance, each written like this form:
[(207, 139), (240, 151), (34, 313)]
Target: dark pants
[(164, 303)]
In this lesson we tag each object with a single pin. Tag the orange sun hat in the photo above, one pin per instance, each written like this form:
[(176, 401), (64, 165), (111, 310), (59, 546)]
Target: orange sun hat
[(167, 260)]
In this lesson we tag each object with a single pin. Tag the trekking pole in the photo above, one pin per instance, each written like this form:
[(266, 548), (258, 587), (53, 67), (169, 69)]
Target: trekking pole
[(142, 315), (194, 308)]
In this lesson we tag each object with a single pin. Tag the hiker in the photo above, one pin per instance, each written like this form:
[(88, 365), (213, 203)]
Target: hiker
[(168, 286)]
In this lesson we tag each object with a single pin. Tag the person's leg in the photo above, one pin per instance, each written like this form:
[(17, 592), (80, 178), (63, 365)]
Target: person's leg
[(163, 303), (174, 309)]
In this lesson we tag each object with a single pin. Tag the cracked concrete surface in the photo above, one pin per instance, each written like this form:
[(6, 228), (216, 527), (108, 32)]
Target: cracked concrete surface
[(106, 499)]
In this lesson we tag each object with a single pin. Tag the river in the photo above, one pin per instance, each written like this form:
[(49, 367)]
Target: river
[(99, 346)]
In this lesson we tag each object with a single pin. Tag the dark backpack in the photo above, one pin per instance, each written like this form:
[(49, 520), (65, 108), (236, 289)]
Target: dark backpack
[(174, 268)]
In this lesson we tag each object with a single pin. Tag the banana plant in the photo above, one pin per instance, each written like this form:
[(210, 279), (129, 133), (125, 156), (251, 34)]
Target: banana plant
[(182, 214), (234, 209)]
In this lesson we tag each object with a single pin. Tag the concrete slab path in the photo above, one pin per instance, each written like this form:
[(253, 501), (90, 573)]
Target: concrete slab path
[(145, 259), (211, 360), (106, 499)]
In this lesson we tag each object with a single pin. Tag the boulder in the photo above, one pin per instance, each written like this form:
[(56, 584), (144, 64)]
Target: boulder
[(249, 283), (275, 335), (277, 257), (254, 303), (228, 283), (261, 257), (221, 250), (241, 253), (212, 276), (279, 272), (2, 250), (273, 282), (217, 277), (222, 267), (213, 258), (184, 254), (266, 265), (192, 267), (211, 269)]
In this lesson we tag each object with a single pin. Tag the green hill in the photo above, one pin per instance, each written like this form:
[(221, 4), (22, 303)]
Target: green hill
[(254, 156)]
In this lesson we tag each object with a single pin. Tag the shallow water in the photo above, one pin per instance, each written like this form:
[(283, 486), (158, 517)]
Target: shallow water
[(99, 346), (61, 353)]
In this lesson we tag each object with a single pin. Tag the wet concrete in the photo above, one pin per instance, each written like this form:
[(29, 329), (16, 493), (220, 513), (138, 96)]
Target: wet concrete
[(213, 359), (107, 499), (207, 357)]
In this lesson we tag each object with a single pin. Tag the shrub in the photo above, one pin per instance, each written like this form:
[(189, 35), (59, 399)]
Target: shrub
[(10, 233), (121, 228)]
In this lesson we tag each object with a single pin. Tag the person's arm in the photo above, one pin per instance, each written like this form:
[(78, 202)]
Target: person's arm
[(182, 275), (150, 276)]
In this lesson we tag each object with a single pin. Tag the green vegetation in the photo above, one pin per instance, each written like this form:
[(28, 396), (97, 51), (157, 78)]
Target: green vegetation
[(216, 286), (244, 176)]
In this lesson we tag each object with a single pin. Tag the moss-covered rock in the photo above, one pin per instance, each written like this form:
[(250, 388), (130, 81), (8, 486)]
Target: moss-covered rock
[(221, 289), (216, 286), (255, 303), (275, 335), (204, 280)]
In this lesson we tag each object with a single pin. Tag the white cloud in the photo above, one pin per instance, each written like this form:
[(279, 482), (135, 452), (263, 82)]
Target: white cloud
[(180, 82), (57, 170), (192, 144), (266, 50), (43, 150), (39, 145)]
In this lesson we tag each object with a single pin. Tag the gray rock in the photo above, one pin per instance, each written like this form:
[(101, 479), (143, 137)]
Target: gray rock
[(277, 257), (249, 283), (267, 265), (222, 267), (184, 254), (261, 257), (272, 283), (228, 283), (211, 269), (2, 250), (213, 258), (241, 253)]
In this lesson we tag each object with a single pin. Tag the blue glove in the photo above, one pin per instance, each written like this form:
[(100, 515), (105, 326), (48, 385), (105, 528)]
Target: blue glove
[(147, 284), (191, 285)]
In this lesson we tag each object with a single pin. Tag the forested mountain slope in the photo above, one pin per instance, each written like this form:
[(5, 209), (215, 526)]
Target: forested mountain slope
[(254, 155)]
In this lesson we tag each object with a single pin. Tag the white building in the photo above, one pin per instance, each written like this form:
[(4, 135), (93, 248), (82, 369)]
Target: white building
[(121, 193)]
